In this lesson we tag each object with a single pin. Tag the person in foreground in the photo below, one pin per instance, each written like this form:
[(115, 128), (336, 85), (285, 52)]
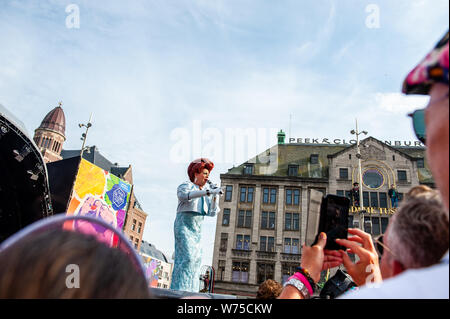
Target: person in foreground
[(314, 260), (46, 261), (431, 126), (417, 235)]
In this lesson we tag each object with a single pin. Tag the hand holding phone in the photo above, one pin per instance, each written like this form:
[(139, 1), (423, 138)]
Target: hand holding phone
[(334, 220)]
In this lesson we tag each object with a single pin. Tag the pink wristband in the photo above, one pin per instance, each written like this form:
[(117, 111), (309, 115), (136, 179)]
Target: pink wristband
[(304, 281)]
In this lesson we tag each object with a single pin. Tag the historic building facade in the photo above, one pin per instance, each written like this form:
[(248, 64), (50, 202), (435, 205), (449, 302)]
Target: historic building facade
[(262, 224), (50, 135)]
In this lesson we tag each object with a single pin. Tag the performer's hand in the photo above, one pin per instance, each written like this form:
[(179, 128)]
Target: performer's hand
[(216, 191)]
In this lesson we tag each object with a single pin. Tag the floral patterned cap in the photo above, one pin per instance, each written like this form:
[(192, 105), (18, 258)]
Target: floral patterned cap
[(432, 69)]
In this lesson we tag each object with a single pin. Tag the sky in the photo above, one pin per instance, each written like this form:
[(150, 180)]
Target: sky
[(168, 81)]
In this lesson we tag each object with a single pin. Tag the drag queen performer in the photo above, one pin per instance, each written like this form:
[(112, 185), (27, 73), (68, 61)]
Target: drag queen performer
[(196, 199)]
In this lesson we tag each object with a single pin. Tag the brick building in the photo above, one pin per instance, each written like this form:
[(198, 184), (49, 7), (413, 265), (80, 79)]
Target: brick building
[(262, 224)]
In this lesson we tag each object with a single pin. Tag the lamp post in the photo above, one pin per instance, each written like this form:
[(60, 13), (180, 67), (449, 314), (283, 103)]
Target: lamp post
[(358, 155), (84, 135)]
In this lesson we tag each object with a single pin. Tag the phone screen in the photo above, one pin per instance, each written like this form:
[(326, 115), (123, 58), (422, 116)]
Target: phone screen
[(334, 220)]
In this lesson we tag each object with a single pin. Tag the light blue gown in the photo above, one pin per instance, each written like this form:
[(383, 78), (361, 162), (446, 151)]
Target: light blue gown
[(187, 230)]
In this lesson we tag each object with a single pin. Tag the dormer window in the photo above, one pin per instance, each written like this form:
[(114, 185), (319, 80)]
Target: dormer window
[(293, 170), (248, 169)]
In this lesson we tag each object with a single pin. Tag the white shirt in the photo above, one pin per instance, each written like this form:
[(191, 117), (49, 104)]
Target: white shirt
[(425, 283)]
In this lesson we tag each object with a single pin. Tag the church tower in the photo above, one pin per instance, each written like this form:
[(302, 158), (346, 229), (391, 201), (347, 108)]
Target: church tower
[(50, 135)]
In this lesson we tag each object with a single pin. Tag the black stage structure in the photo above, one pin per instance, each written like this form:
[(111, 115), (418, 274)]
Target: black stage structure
[(24, 188)]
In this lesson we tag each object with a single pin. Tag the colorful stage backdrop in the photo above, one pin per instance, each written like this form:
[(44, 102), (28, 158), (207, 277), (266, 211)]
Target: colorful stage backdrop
[(100, 194)]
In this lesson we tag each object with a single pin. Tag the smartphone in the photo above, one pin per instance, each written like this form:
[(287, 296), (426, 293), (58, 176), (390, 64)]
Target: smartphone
[(333, 220)]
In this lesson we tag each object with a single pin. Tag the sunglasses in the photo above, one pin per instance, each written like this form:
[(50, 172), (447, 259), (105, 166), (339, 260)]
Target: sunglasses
[(418, 119), (380, 246)]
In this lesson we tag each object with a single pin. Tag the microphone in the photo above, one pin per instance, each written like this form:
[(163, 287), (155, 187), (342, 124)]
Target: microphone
[(214, 186)]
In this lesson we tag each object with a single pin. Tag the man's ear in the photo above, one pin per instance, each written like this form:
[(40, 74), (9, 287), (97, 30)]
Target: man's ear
[(397, 268)]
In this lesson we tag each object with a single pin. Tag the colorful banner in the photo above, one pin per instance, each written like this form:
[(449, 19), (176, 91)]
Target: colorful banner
[(154, 269), (98, 193)]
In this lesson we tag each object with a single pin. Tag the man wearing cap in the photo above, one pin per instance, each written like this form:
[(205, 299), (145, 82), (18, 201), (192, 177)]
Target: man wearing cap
[(431, 126), (355, 194)]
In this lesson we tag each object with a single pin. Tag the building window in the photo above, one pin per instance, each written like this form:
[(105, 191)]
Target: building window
[(375, 225), (240, 272), (268, 220), (349, 156), (223, 241), (273, 195), (221, 270), (267, 244), (245, 219), (269, 195), (243, 194), (383, 200), (226, 217), (314, 159), (262, 243), (401, 175), (265, 195), (242, 242), (293, 170), (288, 196), (373, 199), (291, 245), (393, 158), (366, 199), (136, 243), (420, 163), (340, 193), (165, 286), (228, 193), (373, 178), (248, 169), (384, 224), (133, 226), (139, 228), (250, 194), (247, 194), (343, 173), (292, 221), (288, 271), (265, 271), (292, 197)]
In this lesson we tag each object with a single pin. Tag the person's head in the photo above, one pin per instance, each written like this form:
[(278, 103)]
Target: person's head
[(418, 190), (199, 170), (417, 235), (392, 185), (355, 184), (431, 125), (53, 263), (269, 289)]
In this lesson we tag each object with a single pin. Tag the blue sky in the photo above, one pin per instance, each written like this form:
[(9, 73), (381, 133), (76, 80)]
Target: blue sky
[(148, 69)]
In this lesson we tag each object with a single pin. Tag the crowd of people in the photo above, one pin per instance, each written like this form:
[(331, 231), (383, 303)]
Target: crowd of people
[(409, 261)]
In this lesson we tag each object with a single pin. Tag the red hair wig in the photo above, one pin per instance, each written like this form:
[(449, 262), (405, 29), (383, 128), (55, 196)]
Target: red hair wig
[(197, 166)]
